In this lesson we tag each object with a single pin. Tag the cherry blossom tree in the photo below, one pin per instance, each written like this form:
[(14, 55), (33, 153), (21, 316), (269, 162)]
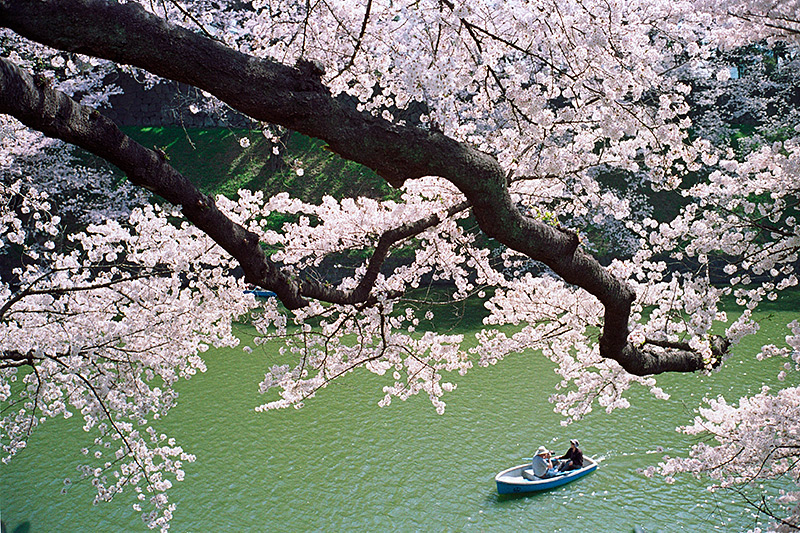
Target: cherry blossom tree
[(109, 298)]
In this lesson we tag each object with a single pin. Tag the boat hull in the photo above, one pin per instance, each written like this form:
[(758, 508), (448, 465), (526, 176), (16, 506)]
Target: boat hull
[(259, 293), (510, 481)]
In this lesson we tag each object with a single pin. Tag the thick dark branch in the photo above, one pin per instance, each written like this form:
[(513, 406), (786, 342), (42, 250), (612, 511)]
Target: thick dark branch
[(35, 103), (276, 93), (39, 106), (675, 356)]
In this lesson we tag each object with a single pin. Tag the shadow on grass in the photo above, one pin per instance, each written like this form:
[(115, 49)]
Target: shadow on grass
[(24, 527)]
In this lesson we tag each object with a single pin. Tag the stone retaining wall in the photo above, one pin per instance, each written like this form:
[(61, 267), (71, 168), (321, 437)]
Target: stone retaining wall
[(166, 104)]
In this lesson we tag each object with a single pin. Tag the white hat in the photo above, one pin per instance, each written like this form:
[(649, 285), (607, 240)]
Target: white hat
[(542, 450)]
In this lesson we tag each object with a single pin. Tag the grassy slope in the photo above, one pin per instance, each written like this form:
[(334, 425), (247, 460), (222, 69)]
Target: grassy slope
[(215, 161)]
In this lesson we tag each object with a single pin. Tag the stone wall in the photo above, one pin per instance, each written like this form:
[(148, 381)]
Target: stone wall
[(166, 104)]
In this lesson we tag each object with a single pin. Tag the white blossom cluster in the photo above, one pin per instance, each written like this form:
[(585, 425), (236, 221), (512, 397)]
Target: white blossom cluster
[(74, 74), (379, 338), (756, 440), (101, 323)]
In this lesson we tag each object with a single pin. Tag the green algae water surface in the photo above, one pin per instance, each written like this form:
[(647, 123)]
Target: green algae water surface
[(344, 464)]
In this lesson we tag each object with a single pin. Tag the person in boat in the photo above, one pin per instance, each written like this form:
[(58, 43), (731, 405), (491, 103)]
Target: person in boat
[(573, 459), (541, 464)]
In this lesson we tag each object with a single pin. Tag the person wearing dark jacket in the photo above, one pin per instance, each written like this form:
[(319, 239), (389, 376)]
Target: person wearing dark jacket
[(573, 459)]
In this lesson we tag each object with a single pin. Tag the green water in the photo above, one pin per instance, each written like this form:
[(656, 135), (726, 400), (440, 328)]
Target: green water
[(344, 464)]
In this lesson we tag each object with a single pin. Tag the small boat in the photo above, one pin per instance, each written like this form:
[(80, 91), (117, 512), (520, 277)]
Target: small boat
[(260, 293), (512, 481)]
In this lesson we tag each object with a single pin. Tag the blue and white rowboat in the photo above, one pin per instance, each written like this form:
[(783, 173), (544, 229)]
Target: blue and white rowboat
[(511, 481), (260, 293)]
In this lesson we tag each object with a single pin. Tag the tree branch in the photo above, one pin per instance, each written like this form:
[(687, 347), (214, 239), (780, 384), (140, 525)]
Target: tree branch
[(39, 106), (388, 239), (273, 92), (14, 358)]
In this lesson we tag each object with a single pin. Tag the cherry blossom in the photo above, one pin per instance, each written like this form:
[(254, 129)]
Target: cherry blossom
[(502, 124)]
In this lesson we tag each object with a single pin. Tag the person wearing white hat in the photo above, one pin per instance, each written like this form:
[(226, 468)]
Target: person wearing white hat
[(541, 465)]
